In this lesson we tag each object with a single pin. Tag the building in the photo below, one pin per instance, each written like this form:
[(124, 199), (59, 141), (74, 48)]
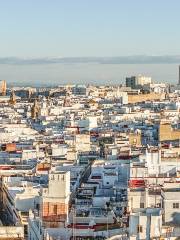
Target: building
[(2, 87), (79, 90), (138, 98), (171, 202), (167, 133), (135, 138), (137, 81), (146, 224), (55, 200)]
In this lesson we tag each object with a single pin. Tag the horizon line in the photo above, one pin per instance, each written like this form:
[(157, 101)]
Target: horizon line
[(130, 59)]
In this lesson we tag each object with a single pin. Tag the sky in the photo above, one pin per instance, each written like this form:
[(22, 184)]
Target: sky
[(88, 28), (71, 28)]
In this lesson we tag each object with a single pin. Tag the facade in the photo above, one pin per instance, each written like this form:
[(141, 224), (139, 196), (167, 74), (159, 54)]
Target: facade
[(55, 200), (135, 82), (146, 225), (167, 133), (79, 90), (3, 88), (138, 98), (171, 202)]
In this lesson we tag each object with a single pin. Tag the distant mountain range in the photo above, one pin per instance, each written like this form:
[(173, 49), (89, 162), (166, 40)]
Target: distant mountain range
[(136, 59)]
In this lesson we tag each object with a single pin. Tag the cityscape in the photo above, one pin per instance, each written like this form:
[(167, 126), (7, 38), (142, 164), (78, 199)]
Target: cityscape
[(90, 162), (89, 120)]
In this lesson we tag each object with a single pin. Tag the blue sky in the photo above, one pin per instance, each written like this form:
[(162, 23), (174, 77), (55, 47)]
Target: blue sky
[(70, 28)]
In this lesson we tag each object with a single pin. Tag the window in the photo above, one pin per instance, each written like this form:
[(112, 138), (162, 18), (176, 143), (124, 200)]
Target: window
[(55, 209), (37, 206), (52, 177), (139, 228), (141, 205), (158, 205), (175, 205)]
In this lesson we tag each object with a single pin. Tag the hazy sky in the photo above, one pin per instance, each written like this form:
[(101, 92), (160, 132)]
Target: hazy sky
[(76, 28), (37, 28)]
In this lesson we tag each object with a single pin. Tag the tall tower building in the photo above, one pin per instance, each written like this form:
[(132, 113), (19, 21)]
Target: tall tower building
[(55, 200), (12, 98), (3, 88), (35, 110), (179, 76)]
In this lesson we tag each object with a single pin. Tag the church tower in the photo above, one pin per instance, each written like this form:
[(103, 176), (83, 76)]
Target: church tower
[(12, 100), (35, 110)]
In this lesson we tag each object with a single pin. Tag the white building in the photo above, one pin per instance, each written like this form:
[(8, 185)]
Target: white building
[(171, 202), (145, 225)]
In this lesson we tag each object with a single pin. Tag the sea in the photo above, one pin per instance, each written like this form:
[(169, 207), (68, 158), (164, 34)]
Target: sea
[(55, 74)]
